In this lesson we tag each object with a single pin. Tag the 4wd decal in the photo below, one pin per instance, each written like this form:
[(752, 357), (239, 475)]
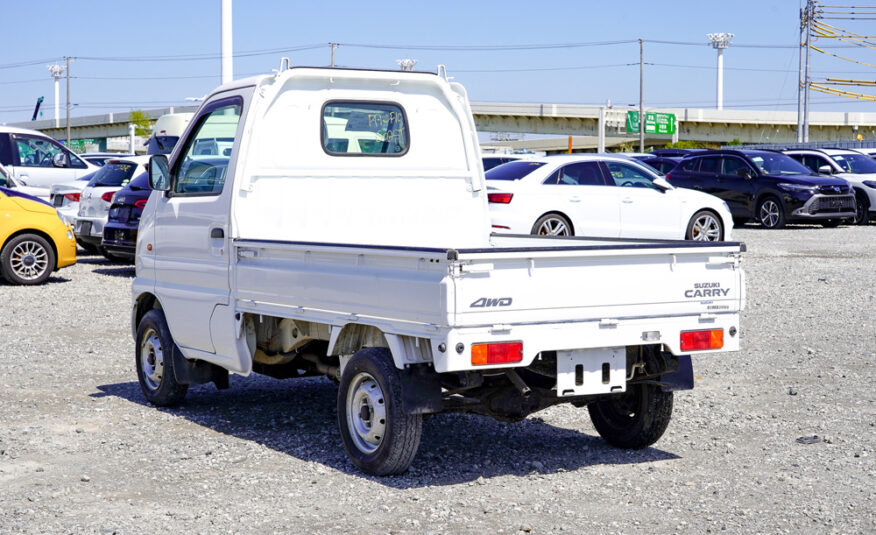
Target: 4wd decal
[(707, 289), (484, 302)]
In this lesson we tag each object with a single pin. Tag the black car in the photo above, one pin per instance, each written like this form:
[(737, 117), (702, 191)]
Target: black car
[(679, 153), (120, 231), (767, 186)]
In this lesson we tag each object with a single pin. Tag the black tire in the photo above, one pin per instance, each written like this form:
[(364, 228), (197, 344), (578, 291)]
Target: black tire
[(370, 389), (705, 225), (831, 223), (635, 420), (27, 259), (770, 213), (87, 247), (862, 208), (552, 225), (154, 351)]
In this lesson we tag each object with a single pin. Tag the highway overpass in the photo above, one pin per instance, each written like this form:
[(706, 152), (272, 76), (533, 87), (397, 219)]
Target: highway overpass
[(579, 121)]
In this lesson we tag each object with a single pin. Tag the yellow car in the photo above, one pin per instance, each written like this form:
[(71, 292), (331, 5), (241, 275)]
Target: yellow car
[(34, 240)]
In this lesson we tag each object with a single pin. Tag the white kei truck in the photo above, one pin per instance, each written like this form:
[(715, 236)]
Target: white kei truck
[(335, 222)]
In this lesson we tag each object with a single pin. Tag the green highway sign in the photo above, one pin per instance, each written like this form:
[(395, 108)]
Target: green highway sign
[(655, 123)]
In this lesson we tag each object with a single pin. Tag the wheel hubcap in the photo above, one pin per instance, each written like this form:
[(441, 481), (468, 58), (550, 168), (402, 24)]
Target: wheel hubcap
[(29, 260), (366, 413), (553, 227), (152, 359), (769, 213), (706, 228)]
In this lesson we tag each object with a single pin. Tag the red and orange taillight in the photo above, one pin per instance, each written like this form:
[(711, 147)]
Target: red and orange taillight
[(496, 353), (702, 340)]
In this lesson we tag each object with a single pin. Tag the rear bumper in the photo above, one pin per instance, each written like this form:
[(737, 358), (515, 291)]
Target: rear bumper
[(579, 335), (89, 228)]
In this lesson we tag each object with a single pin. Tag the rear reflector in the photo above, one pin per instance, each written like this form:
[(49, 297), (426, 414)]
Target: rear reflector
[(500, 198), (500, 226), (72, 197), (699, 340), (496, 353), (141, 204)]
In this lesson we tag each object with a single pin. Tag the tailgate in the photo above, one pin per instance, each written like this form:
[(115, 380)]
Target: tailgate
[(596, 282)]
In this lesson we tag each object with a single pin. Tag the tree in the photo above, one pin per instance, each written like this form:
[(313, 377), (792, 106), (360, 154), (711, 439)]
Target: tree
[(142, 123)]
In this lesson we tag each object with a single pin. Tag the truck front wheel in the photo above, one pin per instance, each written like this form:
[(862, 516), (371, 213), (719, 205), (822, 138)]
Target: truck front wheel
[(379, 437), (154, 354), (634, 420)]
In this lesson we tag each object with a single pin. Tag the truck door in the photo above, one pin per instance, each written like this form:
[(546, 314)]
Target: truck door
[(33, 161), (192, 226)]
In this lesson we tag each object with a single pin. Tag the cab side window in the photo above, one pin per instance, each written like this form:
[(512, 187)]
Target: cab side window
[(35, 151), (207, 153)]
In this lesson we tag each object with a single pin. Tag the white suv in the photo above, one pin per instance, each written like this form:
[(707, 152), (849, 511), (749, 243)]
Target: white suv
[(850, 165)]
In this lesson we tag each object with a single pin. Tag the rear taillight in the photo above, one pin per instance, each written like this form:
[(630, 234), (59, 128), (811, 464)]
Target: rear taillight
[(699, 340), (72, 197), (500, 198), (108, 196), (141, 204), (667, 176), (499, 353)]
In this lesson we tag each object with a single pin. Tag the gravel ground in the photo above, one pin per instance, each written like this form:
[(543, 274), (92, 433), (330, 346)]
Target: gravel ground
[(777, 438)]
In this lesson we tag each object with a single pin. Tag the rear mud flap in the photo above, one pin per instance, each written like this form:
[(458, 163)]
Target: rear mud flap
[(680, 379), (196, 372), (421, 390)]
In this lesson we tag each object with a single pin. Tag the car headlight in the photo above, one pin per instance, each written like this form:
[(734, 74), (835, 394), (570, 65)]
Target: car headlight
[(870, 183), (798, 187)]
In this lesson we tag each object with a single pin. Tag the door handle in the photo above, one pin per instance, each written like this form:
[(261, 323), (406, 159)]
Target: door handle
[(217, 233)]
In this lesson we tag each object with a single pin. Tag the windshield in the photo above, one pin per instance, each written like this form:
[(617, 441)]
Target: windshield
[(778, 164), (161, 144), (512, 170), (113, 174), (855, 163)]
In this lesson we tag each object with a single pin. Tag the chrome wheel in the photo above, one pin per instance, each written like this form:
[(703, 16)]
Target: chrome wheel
[(366, 413), (29, 260), (152, 359), (770, 213), (706, 228), (553, 226)]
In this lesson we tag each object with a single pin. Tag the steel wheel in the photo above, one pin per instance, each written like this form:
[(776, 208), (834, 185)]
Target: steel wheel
[(366, 413), (552, 225), (29, 260), (770, 213), (705, 227), (152, 358)]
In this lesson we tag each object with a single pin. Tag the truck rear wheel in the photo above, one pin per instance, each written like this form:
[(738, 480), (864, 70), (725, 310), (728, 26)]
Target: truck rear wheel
[(154, 355), (634, 420), (379, 437)]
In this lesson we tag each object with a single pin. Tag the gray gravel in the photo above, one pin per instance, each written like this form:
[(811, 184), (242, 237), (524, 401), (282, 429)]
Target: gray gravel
[(778, 438)]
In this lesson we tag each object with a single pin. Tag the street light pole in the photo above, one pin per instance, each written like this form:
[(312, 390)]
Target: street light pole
[(720, 41), (641, 96), (56, 71), (226, 43), (67, 59)]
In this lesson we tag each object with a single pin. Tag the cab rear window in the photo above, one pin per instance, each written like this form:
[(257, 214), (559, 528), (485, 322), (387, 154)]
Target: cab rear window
[(364, 129)]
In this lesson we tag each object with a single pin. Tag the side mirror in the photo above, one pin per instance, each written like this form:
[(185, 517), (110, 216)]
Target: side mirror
[(61, 160), (662, 184), (825, 170), (159, 173), (745, 173)]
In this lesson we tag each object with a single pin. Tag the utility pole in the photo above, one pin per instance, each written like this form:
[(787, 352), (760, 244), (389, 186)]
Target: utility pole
[(720, 41), (56, 71), (810, 12), (226, 43), (641, 96), (67, 59), (800, 79), (334, 46)]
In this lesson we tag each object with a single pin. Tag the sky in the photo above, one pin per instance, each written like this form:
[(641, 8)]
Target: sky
[(141, 55)]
